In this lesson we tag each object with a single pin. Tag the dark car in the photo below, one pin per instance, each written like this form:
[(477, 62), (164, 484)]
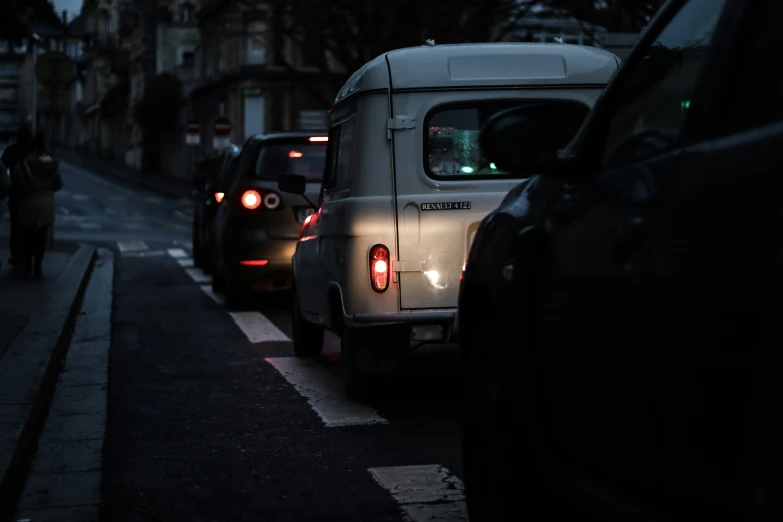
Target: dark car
[(207, 198), (620, 313), (257, 226)]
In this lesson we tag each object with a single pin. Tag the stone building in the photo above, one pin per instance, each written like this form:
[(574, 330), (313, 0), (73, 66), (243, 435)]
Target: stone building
[(255, 75), (572, 31), (164, 37), (105, 62), (11, 59)]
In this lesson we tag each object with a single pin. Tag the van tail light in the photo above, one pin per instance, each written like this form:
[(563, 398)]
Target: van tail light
[(219, 196), (251, 199), (379, 268)]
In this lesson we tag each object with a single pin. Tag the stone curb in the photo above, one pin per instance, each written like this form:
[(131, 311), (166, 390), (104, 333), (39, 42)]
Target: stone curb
[(28, 373)]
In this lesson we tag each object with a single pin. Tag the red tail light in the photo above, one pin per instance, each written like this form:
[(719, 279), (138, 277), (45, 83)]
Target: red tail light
[(304, 234), (219, 196), (379, 268), (251, 199), (254, 262)]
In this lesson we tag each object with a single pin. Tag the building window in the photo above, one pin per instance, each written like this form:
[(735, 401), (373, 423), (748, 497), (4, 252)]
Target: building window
[(188, 59), (186, 13), (9, 69), (7, 95), (313, 52), (256, 42)]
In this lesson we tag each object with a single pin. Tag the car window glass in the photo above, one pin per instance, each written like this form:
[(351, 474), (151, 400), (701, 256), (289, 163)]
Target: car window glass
[(650, 111), (298, 157), (247, 157), (330, 171), (344, 152), (451, 149), (756, 85)]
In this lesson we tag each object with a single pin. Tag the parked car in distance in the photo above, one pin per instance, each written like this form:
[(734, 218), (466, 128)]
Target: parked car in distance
[(619, 316), (206, 203), (405, 188), (257, 226)]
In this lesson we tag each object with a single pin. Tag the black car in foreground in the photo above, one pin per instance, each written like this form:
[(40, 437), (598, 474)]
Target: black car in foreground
[(256, 226), (207, 197), (620, 316)]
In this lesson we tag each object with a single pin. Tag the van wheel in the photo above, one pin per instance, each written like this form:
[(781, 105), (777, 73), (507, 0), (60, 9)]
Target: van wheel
[(369, 351), (353, 342), (308, 337)]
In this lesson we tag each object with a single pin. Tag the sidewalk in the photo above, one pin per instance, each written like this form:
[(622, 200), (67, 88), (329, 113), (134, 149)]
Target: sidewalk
[(36, 322), (166, 185)]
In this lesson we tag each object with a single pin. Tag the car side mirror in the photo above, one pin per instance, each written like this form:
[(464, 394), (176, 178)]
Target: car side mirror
[(522, 140), (292, 184)]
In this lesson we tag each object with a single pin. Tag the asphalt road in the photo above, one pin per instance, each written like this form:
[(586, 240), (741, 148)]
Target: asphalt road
[(212, 418)]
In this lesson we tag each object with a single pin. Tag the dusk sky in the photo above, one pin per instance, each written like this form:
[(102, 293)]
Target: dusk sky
[(72, 6)]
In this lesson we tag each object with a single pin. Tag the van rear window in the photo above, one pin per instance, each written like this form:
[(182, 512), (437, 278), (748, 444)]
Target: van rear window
[(451, 148), (300, 157)]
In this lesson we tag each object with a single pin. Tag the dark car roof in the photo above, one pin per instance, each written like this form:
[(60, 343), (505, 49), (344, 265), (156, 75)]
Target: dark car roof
[(288, 134)]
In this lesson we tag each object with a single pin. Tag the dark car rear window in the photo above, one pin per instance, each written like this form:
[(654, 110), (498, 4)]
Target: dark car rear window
[(295, 157)]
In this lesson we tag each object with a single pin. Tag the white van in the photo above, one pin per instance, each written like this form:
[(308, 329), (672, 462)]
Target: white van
[(405, 188)]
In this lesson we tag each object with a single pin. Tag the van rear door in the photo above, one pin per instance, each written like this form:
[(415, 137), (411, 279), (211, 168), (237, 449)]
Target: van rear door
[(444, 187), (443, 191)]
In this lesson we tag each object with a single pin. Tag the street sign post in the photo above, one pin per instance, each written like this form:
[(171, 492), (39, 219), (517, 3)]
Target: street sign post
[(193, 132), (221, 127)]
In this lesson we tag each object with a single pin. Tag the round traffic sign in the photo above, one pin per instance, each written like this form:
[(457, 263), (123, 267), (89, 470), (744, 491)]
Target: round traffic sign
[(193, 126), (222, 126)]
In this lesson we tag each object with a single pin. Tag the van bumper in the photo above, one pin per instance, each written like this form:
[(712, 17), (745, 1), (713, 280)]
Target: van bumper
[(446, 318)]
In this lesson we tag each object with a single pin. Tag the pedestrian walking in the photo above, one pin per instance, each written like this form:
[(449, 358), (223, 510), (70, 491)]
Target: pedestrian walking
[(12, 156), (35, 179)]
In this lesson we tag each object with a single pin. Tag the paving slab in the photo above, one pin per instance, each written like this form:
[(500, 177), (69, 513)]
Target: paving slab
[(29, 366), (67, 467)]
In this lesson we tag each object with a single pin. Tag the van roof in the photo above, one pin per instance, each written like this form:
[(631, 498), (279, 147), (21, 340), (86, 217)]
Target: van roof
[(483, 65)]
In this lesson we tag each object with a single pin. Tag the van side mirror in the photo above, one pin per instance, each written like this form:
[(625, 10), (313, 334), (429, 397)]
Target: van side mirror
[(522, 140), (292, 184)]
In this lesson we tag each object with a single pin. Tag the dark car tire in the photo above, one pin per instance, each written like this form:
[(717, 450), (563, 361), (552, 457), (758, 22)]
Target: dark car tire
[(499, 380), (308, 338), (236, 296), (198, 250)]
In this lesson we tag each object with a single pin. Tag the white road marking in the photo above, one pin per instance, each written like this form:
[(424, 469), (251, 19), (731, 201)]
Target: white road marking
[(80, 197), (198, 276), (132, 246), (177, 252), (91, 226), (428, 492), (258, 328), (325, 394), (207, 289), (151, 253), (185, 262)]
